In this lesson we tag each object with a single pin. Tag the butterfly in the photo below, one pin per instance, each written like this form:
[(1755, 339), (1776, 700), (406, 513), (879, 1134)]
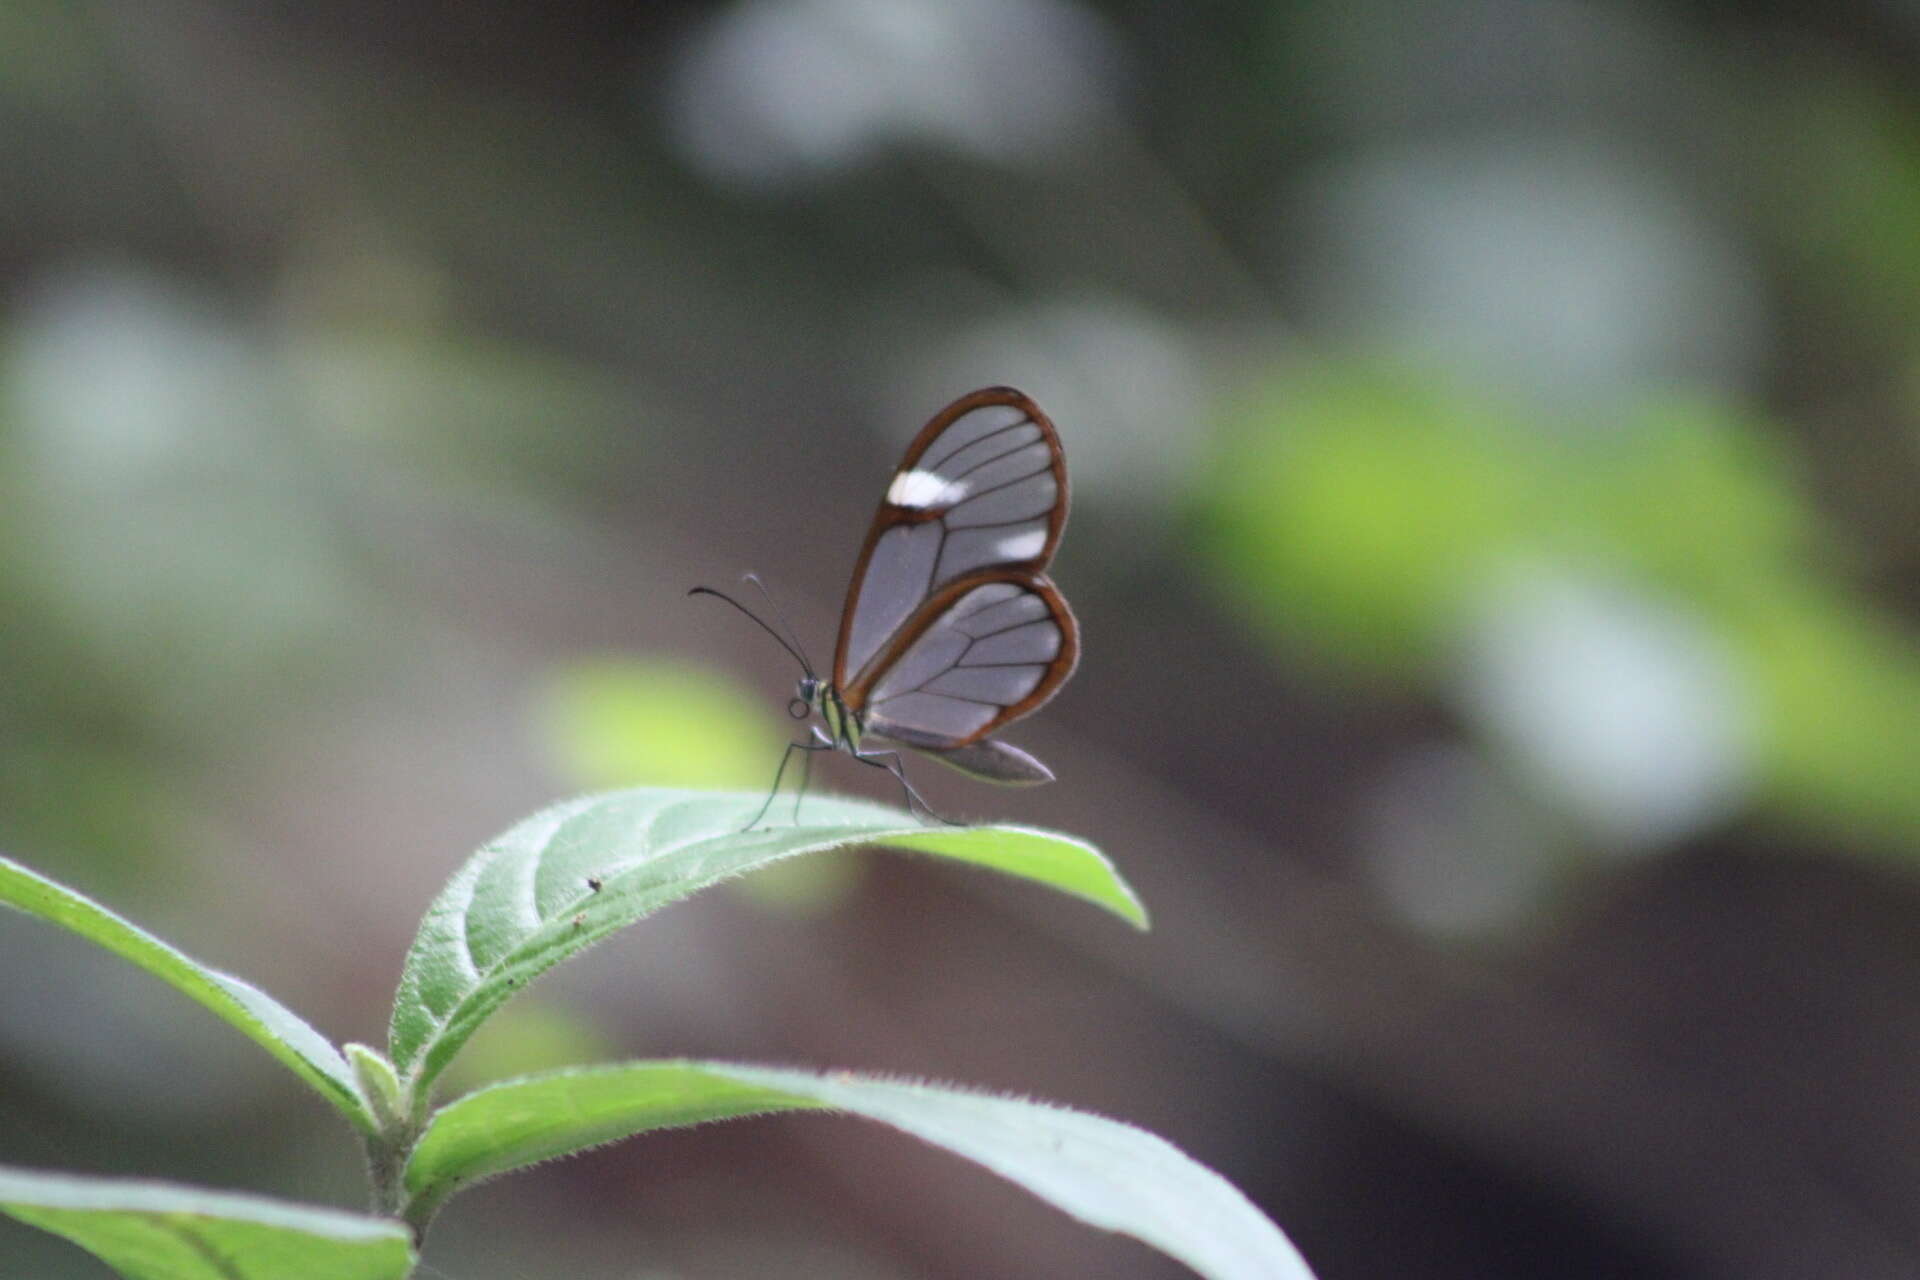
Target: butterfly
[(951, 630)]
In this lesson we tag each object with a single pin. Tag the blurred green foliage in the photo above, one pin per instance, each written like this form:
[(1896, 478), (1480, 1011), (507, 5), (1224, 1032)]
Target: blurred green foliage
[(535, 1033), (1353, 511), (613, 722), (1843, 192), (1353, 506)]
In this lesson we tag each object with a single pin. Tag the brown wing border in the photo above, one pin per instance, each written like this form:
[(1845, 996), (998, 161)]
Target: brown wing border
[(891, 515), (1061, 667)]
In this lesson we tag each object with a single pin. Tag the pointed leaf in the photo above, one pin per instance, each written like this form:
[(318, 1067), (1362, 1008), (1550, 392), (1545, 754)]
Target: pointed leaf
[(1105, 1173), (575, 873), (164, 1231), (257, 1015)]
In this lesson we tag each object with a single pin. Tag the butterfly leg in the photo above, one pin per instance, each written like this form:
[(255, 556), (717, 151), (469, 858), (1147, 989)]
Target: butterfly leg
[(819, 742), (813, 744), (890, 761)]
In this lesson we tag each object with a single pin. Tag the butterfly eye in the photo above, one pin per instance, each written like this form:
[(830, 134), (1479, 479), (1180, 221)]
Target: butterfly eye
[(799, 708)]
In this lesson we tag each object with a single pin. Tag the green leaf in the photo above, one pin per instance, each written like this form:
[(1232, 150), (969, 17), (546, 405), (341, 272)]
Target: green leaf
[(256, 1014), (528, 899), (521, 1122), (164, 1231), (1106, 1174), (378, 1084)]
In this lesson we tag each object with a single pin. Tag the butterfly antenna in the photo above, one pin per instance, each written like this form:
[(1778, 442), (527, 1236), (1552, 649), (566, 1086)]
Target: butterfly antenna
[(780, 614), (759, 622)]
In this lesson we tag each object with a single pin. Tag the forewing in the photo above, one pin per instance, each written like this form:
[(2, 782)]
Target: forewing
[(983, 652), (982, 488)]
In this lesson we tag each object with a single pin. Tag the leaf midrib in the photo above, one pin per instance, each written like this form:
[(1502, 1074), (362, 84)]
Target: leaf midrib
[(540, 932)]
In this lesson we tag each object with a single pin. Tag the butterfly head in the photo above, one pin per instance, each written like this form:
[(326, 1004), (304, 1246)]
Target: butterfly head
[(807, 698)]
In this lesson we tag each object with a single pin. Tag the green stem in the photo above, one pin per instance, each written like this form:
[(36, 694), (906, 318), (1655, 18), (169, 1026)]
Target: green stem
[(386, 1169), (399, 1118)]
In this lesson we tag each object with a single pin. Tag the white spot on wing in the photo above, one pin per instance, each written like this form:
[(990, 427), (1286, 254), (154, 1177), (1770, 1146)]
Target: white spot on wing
[(1021, 546), (921, 490)]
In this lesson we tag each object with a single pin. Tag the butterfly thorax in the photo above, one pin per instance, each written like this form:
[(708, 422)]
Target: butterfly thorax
[(843, 724)]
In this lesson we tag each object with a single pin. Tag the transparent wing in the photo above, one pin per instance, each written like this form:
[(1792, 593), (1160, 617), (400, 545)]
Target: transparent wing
[(992, 760), (982, 653), (983, 487)]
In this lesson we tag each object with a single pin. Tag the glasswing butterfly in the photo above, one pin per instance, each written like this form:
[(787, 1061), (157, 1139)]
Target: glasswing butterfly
[(951, 630)]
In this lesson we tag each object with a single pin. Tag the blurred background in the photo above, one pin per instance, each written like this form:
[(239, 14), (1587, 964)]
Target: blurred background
[(1495, 428)]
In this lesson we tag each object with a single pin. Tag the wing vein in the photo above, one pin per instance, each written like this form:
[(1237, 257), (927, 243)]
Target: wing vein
[(997, 488), (924, 465), (1035, 518), (1005, 453), (925, 692), (1012, 626)]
